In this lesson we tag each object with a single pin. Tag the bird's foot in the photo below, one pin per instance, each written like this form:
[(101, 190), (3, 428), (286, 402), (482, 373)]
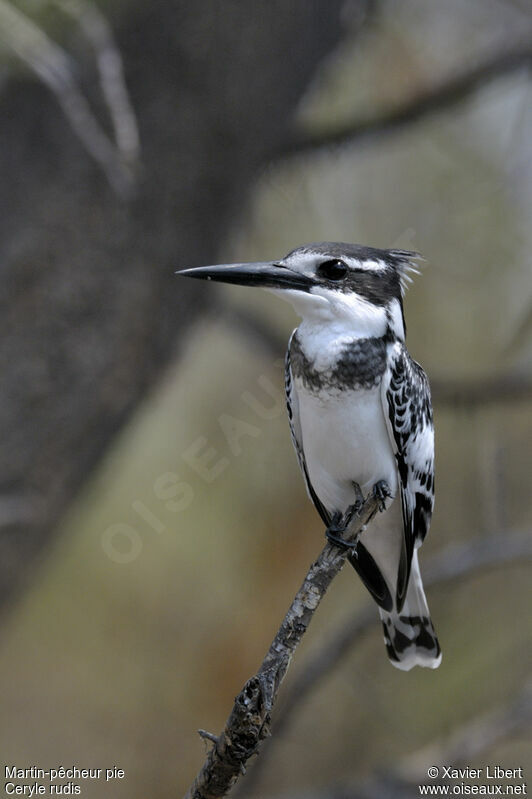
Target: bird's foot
[(339, 524), (381, 492), (338, 541)]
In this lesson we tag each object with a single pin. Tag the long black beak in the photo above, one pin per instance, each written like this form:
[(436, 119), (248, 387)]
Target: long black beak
[(266, 274)]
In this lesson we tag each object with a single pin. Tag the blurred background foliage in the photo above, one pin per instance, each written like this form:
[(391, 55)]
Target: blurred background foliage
[(169, 573)]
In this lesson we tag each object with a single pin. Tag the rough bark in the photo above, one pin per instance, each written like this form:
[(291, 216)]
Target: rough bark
[(249, 721)]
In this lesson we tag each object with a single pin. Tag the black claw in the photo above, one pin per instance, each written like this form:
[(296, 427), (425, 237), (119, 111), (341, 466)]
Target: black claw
[(381, 492), (339, 523), (332, 538)]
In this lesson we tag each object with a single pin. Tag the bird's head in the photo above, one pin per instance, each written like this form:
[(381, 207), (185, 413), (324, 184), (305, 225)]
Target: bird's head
[(331, 282)]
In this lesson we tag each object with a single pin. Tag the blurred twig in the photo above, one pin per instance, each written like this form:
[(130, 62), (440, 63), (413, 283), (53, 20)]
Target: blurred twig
[(52, 65), (467, 743), (98, 32), (520, 336), (439, 98), (455, 562), (248, 723), (473, 738), (500, 388)]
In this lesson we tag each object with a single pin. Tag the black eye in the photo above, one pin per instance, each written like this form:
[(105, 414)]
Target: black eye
[(333, 270)]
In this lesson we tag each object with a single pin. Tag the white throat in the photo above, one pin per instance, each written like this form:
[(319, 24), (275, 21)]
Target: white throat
[(350, 312), (330, 320)]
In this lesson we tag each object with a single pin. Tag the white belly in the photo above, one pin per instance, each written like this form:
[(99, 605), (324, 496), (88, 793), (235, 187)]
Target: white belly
[(345, 440)]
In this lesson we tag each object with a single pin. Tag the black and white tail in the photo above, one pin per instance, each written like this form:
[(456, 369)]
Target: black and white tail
[(409, 635)]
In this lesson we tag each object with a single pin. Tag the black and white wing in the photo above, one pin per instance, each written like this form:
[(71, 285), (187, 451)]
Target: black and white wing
[(292, 407), (408, 412)]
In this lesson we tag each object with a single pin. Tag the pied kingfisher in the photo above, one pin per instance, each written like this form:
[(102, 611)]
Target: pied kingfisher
[(361, 417)]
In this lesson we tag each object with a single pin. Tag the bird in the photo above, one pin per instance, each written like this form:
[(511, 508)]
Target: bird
[(360, 416)]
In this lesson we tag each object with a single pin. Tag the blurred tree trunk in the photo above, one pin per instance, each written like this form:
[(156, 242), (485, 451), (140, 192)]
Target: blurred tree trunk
[(91, 311)]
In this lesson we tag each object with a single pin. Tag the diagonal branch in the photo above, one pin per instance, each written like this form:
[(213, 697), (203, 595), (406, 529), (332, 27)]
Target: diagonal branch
[(455, 562), (439, 98), (248, 723)]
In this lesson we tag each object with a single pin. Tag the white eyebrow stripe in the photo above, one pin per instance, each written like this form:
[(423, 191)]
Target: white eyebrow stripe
[(370, 266)]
